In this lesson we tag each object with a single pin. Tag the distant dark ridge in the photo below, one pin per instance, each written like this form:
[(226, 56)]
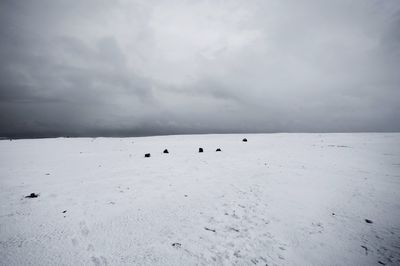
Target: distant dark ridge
[(144, 134), (122, 134), (117, 133)]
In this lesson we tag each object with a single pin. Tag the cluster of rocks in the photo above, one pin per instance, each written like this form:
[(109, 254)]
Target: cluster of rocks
[(148, 155)]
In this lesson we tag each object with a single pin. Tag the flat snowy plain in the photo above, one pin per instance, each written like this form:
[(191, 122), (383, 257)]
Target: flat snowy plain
[(279, 199)]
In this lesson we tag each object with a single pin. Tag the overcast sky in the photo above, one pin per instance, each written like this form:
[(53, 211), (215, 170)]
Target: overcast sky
[(103, 67)]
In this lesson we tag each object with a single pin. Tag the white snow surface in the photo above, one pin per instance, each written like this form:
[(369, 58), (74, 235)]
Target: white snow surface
[(279, 199)]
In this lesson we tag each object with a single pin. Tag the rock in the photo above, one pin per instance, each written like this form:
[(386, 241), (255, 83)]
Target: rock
[(32, 195), (165, 151), (209, 229), (244, 140), (368, 221), (200, 149), (147, 155), (218, 149), (176, 245)]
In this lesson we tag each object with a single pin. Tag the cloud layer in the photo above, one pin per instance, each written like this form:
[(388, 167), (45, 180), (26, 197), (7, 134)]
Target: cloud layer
[(143, 67)]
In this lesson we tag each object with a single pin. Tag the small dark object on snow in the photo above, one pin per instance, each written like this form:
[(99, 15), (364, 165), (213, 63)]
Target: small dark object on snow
[(147, 155), (177, 245), (218, 149), (64, 211), (32, 195), (368, 221), (244, 140), (366, 249), (200, 149), (165, 151), (208, 229), (333, 213)]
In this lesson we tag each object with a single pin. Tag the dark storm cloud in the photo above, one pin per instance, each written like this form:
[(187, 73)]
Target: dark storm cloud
[(154, 67)]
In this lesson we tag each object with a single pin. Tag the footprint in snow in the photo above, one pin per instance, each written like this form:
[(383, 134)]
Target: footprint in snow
[(233, 229), (84, 228), (99, 261), (75, 242), (90, 247)]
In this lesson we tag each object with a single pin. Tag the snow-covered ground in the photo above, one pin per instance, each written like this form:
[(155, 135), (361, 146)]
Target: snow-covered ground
[(279, 199)]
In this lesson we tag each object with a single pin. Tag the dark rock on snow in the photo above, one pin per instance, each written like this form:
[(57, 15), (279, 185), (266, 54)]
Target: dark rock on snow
[(165, 151), (218, 149), (177, 245), (244, 140), (209, 229), (200, 149), (32, 195), (147, 155)]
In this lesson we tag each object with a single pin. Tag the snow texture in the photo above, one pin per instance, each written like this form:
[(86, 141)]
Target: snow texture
[(278, 199)]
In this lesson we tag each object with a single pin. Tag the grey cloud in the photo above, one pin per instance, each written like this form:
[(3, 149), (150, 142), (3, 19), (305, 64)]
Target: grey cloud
[(155, 67)]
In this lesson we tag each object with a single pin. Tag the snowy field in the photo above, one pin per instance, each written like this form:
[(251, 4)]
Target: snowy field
[(278, 199)]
